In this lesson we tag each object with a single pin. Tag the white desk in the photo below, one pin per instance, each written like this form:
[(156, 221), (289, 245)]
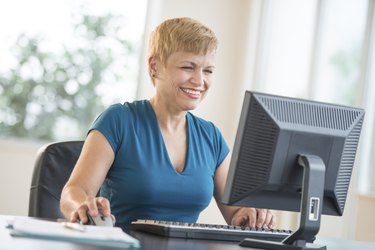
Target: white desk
[(149, 241)]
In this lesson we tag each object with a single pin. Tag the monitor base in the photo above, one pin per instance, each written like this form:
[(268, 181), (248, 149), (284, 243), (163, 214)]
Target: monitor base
[(271, 245)]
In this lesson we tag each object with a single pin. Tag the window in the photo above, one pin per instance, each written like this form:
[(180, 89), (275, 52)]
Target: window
[(322, 50), (284, 52), (62, 62), (338, 51), (368, 77)]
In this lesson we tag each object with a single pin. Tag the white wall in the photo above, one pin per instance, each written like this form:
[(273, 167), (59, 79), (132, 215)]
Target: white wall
[(16, 167)]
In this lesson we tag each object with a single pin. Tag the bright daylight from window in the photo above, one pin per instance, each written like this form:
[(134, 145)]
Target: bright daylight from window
[(63, 61)]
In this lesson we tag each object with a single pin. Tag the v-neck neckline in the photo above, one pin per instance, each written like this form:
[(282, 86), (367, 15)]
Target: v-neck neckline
[(165, 150)]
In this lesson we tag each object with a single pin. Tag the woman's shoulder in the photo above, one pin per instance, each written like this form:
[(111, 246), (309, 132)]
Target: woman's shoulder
[(128, 107), (210, 133), (201, 123)]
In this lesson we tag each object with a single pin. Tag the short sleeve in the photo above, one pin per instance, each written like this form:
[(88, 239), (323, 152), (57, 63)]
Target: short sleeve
[(111, 124), (221, 146)]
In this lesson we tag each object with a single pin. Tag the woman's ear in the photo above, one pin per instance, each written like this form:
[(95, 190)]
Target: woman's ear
[(152, 66)]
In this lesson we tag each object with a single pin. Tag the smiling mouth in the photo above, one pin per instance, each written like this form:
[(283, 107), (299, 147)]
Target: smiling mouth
[(191, 92)]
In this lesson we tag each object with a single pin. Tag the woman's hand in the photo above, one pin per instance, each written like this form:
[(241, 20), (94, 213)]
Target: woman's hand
[(254, 217), (95, 206)]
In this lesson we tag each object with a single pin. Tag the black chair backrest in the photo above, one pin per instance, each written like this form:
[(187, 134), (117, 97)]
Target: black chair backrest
[(52, 170)]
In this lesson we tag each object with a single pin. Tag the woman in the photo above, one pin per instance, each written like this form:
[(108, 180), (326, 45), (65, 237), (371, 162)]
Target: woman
[(153, 159)]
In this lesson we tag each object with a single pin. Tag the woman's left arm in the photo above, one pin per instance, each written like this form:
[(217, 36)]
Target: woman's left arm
[(239, 216)]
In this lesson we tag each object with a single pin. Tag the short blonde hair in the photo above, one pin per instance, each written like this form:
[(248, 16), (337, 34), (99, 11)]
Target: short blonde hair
[(180, 34)]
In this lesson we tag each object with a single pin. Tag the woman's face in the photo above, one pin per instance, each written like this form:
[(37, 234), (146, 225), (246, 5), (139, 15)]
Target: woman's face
[(185, 79)]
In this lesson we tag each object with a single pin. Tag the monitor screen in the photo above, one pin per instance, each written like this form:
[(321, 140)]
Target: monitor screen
[(289, 149)]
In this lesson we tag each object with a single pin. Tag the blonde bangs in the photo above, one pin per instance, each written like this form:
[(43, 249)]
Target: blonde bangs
[(181, 34)]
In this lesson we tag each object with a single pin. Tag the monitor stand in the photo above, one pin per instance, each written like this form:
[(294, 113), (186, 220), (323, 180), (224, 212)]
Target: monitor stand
[(311, 207)]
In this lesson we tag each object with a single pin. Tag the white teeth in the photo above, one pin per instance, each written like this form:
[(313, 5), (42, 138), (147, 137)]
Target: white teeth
[(192, 92)]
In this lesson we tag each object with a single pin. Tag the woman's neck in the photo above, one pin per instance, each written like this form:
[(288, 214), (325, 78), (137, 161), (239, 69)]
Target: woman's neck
[(169, 119)]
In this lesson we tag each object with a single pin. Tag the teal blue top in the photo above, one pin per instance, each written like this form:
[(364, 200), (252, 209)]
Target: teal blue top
[(142, 182)]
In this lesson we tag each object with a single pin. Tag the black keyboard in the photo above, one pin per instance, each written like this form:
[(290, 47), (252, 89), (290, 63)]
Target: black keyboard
[(208, 231)]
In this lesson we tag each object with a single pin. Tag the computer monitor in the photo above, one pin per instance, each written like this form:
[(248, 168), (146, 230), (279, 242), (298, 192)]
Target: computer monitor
[(294, 155)]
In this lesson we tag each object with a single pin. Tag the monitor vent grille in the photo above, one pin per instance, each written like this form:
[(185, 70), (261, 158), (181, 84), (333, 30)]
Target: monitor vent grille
[(256, 152), (346, 165), (310, 114)]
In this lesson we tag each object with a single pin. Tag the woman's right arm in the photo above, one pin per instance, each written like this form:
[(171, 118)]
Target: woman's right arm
[(79, 194)]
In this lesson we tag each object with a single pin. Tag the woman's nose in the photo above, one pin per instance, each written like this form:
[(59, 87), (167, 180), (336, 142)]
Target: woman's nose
[(198, 77)]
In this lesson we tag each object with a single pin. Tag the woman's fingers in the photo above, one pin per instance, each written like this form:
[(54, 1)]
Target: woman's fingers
[(254, 217)]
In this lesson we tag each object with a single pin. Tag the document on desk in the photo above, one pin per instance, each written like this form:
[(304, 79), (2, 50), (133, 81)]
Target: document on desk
[(85, 234)]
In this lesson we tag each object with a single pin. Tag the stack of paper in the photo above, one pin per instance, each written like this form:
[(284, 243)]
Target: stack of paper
[(93, 235)]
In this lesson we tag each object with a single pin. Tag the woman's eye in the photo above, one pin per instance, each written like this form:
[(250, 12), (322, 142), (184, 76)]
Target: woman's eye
[(208, 71), (187, 68)]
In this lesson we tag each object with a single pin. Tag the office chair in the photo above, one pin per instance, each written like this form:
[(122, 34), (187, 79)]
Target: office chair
[(52, 169)]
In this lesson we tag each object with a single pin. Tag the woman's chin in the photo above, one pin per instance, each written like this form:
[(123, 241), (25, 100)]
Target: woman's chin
[(191, 106)]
